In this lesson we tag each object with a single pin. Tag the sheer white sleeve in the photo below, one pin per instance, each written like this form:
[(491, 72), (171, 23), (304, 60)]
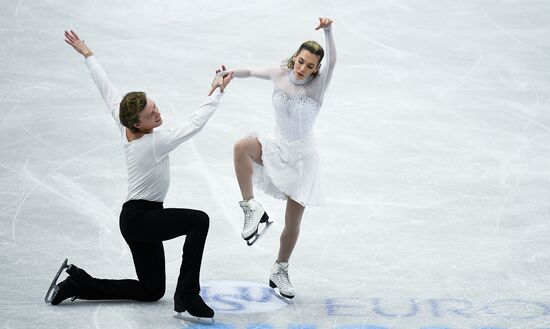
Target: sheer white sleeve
[(261, 73), (164, 141), (110, 95), (320, 83)]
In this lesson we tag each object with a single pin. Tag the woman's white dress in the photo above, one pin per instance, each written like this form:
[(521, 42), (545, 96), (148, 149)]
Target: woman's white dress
[(289, 153)]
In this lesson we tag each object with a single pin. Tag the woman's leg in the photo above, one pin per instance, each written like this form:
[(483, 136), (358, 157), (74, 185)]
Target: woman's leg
[(279, 271), (289, 236), (245, 151)]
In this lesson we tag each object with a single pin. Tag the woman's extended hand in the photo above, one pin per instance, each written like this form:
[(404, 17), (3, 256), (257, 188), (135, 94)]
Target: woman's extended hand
[(324, 22), (74, 41), (221, 80)]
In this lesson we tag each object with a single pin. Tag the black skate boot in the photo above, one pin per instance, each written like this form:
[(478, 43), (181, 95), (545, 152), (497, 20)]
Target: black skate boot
[(72, 287), (195, 308), (67, 288)]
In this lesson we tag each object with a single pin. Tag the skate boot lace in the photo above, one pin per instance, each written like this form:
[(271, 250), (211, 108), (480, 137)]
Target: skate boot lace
[(248, 216), (282, 278)]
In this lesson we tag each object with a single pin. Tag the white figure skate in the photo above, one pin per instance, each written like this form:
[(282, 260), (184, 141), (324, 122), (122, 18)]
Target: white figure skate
[(254, 215), (279, 279)]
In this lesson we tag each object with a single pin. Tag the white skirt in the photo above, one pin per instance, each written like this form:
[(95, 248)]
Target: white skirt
[(289, 170)]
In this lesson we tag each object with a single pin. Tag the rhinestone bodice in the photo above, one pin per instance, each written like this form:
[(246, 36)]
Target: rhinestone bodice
[(296, 101), (294, 116)]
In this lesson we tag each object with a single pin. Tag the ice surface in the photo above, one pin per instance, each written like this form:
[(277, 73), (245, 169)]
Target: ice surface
[(435, 145)]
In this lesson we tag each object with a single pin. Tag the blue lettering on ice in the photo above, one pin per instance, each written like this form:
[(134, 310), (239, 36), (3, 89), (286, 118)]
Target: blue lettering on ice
[(245, 295), (512, 304), (230, 300), (233, 306), (333, 308), (234, 302), (301, 326), (456, 306), (512, 309), (413, 309), (259, 326), (361, 326)]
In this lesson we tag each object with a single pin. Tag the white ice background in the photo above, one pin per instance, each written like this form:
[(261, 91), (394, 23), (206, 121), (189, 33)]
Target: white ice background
[(434, 138)]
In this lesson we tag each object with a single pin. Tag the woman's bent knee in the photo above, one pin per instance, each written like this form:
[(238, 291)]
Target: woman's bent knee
[(240, 147)]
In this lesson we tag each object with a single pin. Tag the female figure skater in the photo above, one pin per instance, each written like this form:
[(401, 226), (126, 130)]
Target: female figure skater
[(144, 222), (285, 164)]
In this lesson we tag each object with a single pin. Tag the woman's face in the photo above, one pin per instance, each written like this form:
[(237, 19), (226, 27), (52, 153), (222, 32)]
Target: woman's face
[(305, 64), (149, 117)]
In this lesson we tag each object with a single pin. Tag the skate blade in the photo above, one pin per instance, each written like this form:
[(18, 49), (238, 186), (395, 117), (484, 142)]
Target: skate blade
[(257, 236), (195, 319), (52, 290), (281, 297)]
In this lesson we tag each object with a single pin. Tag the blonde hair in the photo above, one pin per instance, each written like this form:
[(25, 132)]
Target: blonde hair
[(130, 106), (311, 46)]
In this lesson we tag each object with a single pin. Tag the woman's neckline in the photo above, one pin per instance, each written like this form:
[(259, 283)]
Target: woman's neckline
[(297, 82)]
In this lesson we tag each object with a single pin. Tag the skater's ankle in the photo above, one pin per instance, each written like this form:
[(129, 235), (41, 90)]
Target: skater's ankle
[(184, 296)]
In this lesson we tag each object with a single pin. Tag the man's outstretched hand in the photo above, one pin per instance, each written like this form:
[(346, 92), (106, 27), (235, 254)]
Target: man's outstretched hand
[(74, 41), (221, 80)]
